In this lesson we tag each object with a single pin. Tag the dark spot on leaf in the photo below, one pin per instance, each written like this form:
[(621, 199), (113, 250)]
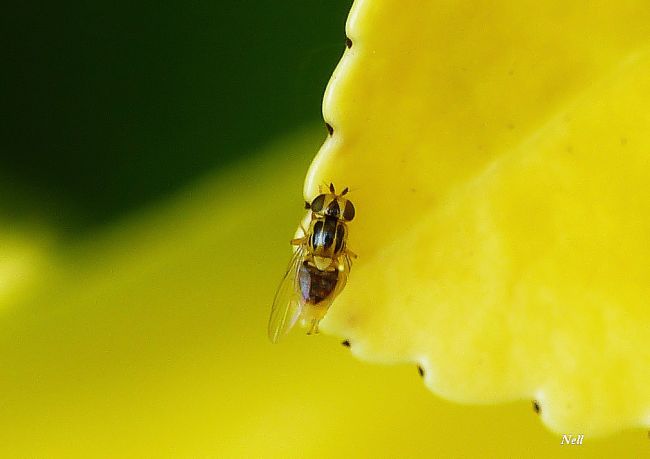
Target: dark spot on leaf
[(330, 129), (421, 371), (348, 42), (346, 343), (536, 406)]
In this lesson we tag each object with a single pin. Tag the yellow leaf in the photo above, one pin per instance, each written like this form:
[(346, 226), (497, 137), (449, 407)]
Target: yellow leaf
[(498, 157)]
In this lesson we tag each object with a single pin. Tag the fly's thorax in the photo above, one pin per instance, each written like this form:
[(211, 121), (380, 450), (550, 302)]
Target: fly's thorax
[(328, 236)]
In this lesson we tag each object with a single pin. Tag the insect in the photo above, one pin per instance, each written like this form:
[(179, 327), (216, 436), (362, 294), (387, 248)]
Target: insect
[(319, 268)]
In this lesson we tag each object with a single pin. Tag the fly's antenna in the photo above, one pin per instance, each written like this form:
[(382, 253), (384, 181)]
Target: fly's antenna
[(325, 187)]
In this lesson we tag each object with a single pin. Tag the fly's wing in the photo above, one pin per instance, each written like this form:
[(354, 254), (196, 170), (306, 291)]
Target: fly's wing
[(345, 264), (287, 304)]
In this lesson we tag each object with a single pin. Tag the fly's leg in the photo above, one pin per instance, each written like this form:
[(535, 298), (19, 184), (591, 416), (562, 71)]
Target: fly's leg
[(313, 329), (299, 240), (350, 253)]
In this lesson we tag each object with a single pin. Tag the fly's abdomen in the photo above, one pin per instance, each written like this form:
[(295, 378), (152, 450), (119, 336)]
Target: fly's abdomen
[(316, 285)]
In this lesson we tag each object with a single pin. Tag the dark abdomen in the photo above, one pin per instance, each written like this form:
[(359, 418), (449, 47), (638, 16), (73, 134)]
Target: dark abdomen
[(316, 285)]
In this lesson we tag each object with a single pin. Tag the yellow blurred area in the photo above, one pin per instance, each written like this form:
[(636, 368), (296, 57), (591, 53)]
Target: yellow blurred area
[(149, 340), (23, 251)]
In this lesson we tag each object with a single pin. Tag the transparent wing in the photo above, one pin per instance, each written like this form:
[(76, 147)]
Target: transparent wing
[(344, 272), (286, 304)]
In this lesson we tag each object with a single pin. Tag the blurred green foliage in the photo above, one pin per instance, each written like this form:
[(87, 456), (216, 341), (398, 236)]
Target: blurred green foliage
[(109, 107)]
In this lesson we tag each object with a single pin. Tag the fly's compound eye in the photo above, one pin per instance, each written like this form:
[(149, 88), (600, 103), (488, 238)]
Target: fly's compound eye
[(317, 203), (348, 211)]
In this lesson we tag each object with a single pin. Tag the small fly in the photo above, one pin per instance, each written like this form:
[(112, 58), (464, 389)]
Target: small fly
[(319, 268)]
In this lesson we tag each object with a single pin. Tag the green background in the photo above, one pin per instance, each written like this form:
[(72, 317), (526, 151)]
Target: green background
[(110, 107)]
